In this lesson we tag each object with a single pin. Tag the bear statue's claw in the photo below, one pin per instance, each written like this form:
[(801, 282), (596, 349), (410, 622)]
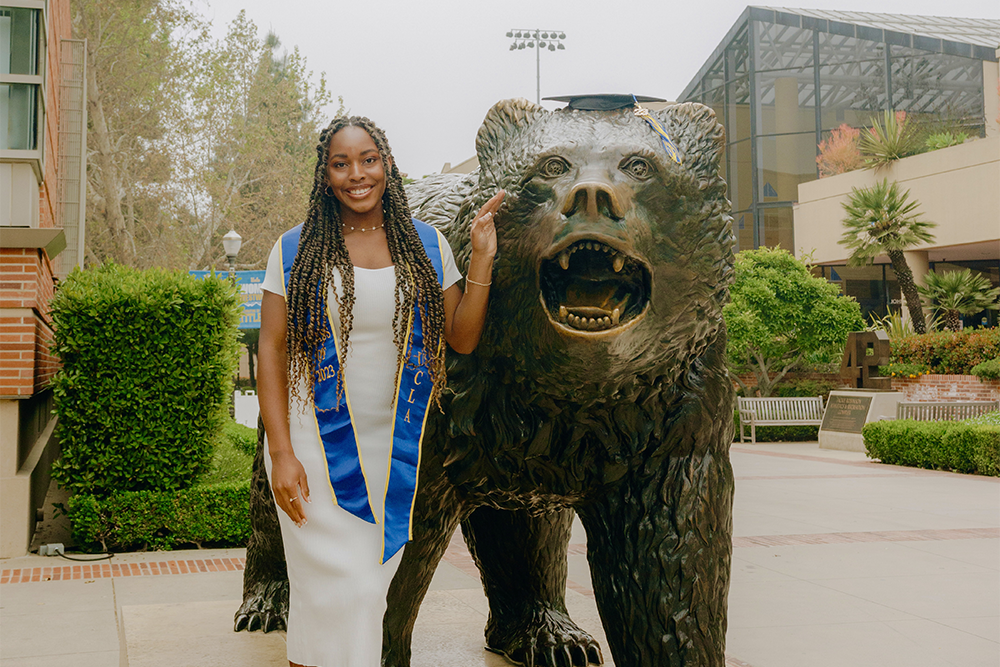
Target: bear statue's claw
[(547, 639), (264, 608)]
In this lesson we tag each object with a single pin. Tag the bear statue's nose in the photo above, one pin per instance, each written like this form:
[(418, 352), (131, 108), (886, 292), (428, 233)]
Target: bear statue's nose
[(595, 199)]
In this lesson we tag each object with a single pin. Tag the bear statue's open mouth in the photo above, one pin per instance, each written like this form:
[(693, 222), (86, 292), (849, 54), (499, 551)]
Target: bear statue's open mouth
[(590, 287)]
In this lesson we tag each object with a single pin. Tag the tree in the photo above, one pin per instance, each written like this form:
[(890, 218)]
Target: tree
[(138, 52), (250, 143), (781, 315), (881, 220), (955, 293), (190, 137)]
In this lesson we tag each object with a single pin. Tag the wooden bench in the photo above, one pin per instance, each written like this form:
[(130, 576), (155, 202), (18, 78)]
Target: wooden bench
[(945, 411), (778, 411)]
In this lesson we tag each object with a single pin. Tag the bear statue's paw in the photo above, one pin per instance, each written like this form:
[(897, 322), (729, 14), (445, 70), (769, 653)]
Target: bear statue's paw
[(265, 607), (544, 638)]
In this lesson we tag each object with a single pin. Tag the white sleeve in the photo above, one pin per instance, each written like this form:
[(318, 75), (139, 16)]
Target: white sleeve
[(274, 277), (451, 273)]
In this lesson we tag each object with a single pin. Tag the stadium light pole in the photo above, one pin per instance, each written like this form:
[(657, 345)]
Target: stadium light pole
[(537, 39)]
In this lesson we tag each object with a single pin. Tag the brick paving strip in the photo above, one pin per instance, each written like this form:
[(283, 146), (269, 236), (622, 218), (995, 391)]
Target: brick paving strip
[(104, 570)]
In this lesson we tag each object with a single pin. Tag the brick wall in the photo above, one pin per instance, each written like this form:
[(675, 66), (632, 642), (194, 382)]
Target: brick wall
[(26, 287), (927, 388), (59, 28)]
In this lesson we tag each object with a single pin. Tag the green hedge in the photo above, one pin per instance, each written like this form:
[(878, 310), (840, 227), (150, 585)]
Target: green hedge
[(988, 370), (147, 365), (217, 516), (948, 352), (972, 445), (243, 438)]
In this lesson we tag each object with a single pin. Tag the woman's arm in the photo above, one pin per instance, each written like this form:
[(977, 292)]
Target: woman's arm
[(288, 477), (465, 313)]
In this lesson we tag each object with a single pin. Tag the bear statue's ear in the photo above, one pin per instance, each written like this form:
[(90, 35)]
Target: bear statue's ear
[(698, 135), (503, 124)]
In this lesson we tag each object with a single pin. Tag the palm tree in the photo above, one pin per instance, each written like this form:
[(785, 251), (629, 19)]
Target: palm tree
[(959, 293), (881, 220)]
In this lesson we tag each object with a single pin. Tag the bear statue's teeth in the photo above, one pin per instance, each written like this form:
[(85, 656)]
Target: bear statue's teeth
[(563, 313), (564, 260), (619, 263), (616, 316)]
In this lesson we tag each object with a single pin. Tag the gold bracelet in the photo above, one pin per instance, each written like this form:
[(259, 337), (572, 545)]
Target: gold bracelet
[(470, 280)]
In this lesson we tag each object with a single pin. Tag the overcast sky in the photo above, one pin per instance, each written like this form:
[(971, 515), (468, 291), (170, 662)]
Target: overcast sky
[(427, 72)]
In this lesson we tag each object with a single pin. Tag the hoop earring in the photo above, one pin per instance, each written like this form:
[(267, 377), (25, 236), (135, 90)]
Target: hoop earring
[(328, 191)]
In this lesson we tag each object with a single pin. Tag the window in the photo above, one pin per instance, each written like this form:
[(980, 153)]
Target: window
[(21, 82)]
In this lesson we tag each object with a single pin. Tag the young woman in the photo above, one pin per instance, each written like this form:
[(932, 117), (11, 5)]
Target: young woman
[(358, 304)]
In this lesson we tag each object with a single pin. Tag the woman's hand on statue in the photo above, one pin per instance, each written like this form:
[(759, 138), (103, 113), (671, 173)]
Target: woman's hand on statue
[(484, 233), (289, 485)]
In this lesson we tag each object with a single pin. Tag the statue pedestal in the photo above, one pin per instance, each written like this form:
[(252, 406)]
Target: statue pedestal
[(848, 410)]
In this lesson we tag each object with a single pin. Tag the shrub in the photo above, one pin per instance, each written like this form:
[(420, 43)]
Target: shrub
[(241, 437), (840, 153), (988, 370), (230, 461), (214, 515), (948, 352), (889, 139), (903, 370), (987, 449), (958, 450), (972, 445), (905, 442), (147, 364), (944, 140)]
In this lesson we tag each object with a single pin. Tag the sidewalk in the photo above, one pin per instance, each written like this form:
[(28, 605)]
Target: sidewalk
[(837, 561)]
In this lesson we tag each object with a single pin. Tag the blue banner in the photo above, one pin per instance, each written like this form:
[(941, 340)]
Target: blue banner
[(250, 294)]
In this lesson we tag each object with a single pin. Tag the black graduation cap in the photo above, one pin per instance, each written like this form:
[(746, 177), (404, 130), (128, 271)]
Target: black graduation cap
[(603, 102)]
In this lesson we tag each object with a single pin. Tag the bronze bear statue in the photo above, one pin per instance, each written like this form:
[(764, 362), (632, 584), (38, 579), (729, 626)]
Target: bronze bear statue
[(599, 386)]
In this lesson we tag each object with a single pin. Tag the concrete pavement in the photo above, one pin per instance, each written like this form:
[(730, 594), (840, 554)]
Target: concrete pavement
[(837, 561)]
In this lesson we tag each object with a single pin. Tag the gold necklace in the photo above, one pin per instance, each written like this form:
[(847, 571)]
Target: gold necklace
[(369, 229)]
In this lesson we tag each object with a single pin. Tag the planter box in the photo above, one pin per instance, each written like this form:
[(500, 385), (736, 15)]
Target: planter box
[(928, 388)]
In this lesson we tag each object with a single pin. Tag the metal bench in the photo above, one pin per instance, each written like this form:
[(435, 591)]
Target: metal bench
[(945, 411), (778, 411)]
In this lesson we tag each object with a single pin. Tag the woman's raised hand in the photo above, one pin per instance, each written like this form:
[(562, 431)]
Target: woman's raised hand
[(289, 485), (484, 233)]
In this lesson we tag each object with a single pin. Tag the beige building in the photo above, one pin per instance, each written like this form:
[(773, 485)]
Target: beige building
[(782, 79), (958, 188)]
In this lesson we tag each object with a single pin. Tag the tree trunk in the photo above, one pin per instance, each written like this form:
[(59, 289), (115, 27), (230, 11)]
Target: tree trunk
[(952, 320), (108, 181), (909, 289)]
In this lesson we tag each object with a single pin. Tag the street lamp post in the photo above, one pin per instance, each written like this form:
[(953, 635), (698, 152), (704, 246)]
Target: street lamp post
[(537, 39), (231, 243)]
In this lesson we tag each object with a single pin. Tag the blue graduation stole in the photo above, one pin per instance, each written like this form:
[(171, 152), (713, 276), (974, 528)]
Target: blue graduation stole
[(335, 426)]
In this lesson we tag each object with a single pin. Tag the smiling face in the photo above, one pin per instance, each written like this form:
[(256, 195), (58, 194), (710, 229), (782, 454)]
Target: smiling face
[(355, 173)]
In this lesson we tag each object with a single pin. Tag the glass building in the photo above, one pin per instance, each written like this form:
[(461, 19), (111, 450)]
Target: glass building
[(782, 79)]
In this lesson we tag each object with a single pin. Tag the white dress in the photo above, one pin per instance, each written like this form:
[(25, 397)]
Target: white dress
[(337, 587)]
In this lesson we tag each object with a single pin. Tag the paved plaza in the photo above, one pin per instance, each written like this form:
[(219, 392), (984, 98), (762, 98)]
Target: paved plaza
[(837, 562)]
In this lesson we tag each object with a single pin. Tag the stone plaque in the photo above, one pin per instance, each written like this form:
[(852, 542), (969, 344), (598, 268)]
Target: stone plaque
[(846, 414)]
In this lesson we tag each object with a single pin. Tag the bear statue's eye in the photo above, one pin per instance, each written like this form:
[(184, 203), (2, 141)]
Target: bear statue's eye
[(554, 166), (637, 167)]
